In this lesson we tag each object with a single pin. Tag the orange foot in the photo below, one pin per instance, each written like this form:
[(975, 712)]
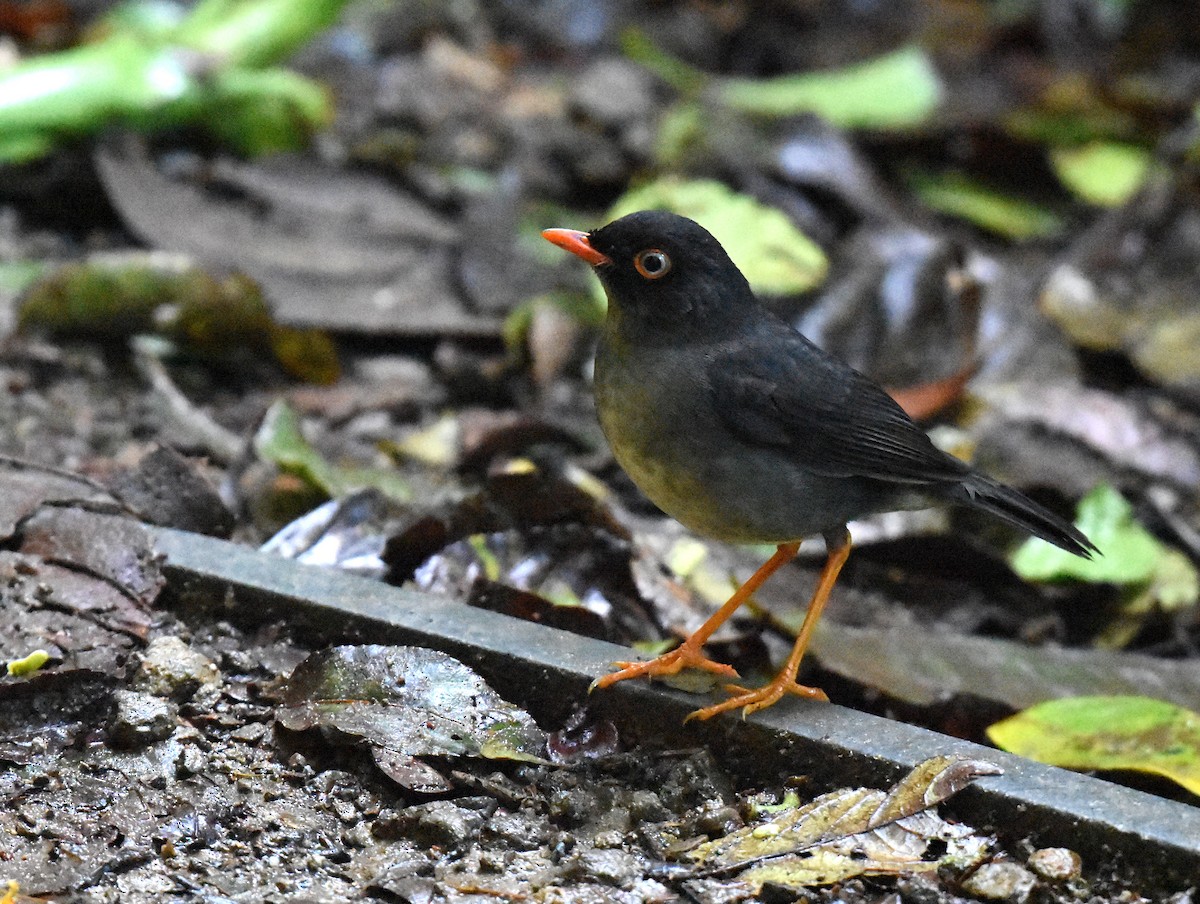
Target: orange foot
[(685, 656), (752, 701)]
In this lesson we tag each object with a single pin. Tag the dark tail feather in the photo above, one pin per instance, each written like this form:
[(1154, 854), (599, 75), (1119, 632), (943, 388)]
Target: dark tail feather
[(1020, 511)]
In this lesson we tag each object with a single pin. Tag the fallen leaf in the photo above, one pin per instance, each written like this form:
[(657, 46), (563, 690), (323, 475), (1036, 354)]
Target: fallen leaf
[(113, 548), (899, 90), (1128, 732), (25, 487), (1154, 576), (1103, 173), (853, 831), (407, 702), (279, 440), (959, 196), (917, 666)]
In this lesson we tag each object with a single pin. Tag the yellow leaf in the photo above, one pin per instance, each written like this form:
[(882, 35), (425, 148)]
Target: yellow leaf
[(1129, 732)]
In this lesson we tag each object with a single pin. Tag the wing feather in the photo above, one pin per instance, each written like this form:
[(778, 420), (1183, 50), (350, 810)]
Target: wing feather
[(836, 421)]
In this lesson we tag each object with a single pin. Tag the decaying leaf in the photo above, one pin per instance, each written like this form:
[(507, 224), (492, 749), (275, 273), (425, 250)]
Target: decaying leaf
[(113, 548), (853, 831), (407, 702), (25, 486), (1127, 732), (910, 664)]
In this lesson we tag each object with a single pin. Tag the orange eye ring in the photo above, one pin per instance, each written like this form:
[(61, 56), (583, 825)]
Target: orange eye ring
[(652, 263)]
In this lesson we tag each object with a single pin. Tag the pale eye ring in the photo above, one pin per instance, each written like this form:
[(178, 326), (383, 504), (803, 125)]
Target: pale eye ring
[(652, 263)]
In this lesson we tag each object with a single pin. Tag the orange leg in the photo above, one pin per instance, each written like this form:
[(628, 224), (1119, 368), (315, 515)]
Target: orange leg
[(785, 682), (690, 654)]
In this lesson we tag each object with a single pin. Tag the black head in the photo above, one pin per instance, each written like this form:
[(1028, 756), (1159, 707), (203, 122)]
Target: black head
[(663, 272)]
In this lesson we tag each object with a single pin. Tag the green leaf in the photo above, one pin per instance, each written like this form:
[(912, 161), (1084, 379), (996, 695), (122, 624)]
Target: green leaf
[(895, 91), (776, 257), (19, 275), (1135, 733), (683, 77), (1130, 553), (280, 441), (1103, 173), (257, 112), (255, 32), (1153, 577), (155, 74), (959, 196)]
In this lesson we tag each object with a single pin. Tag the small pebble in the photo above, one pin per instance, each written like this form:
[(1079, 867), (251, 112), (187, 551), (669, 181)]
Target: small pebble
[(608, 867), (170, 668), (140, 719), (1003, 881), (1056, 864)]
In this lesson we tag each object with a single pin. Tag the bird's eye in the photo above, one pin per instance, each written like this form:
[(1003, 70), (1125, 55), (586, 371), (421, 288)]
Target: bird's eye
[(652, 263)]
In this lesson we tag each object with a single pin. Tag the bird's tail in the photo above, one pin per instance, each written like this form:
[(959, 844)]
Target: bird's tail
[(978, 491)]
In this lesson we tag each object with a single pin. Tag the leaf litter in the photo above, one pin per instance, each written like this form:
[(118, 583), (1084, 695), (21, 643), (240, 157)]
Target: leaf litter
[(855, 832)]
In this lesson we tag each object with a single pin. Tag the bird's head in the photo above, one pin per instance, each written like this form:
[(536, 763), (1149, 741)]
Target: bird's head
[(663, 274)]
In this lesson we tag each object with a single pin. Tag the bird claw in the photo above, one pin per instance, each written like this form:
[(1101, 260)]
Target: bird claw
[(751, 700), (684, 656)]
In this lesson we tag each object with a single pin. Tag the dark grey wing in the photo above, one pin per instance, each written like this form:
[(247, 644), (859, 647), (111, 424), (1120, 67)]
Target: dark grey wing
[(828, 415)]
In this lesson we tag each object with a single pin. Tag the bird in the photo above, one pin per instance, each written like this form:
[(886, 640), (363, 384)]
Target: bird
[(744, 431)]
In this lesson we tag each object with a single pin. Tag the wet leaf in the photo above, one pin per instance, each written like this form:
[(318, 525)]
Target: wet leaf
[(280, 441), (959, 196), (347, 533), (407, 702), (776, 257), (853, 831), (1154, 575), (1136, 733), (1102, 173), (113, 548), (911, 664), (899, 90), (565, 576), (25, 487)]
